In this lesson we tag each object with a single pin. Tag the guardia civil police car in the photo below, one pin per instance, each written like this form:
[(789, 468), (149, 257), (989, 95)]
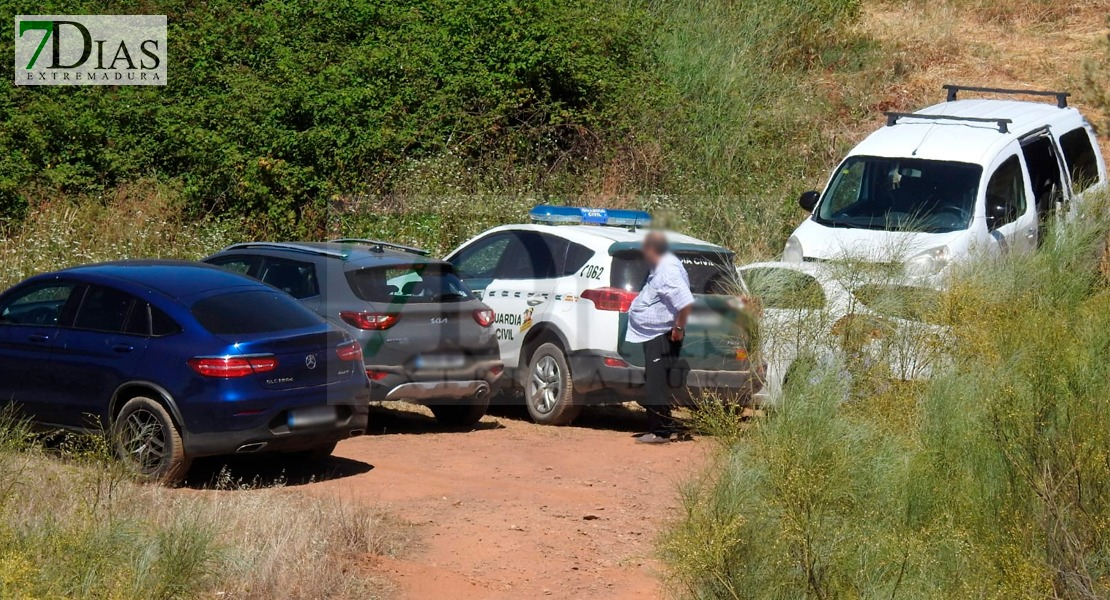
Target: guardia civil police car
[(561, 288)]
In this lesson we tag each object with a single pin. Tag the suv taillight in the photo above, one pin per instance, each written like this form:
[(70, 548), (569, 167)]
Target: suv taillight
[(351, 351), (484, 316), (610, 298), (370, 320), (228, 367)]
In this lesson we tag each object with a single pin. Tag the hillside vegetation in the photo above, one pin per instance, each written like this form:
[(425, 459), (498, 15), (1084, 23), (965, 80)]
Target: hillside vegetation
[(370, 118)]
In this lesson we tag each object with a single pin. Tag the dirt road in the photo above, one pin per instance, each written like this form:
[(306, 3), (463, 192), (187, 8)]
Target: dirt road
[(514, 510)]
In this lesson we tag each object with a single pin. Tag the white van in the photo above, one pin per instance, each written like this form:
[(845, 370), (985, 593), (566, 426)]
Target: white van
[(960, 177)]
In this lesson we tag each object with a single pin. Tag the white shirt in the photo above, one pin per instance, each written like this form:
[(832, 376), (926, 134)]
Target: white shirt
[(666, 292)]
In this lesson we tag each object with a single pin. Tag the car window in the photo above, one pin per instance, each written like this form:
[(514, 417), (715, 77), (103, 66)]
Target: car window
[(480, 259), (846, 187), (532, 256), (710, 271), (296, 278), (149, 320), (914, 303), (235, 263), (901, 194), (104, 309), (577, 257), (255, 311), (139, 321), (784, 289), (162, 324), (1079, 155), (38, 305), (403, 284), (1007, 188)]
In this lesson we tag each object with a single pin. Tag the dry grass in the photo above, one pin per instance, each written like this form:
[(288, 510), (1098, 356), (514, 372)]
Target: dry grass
[(1033, 44), (78, 528), (139, 220)]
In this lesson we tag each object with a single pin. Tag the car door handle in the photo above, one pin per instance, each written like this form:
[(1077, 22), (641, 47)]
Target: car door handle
[(535, 301), (122, 348), (38, 338)]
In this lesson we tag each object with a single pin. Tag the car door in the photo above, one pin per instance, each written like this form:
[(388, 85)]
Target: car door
[(513, 272), (1010, 214), (1082, 162), (100, 351), (30, 317)]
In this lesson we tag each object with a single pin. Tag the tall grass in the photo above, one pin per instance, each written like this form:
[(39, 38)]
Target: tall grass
[(80, 528), (142, 220), (990, 480)]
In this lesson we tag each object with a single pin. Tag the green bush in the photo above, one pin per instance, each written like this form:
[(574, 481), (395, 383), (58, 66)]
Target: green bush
[(274, 106), (991, 480)]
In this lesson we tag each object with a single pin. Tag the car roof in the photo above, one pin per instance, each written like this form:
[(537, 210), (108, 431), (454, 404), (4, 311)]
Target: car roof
[(967, 142), (173, 278), (602, 238), (357, 254)]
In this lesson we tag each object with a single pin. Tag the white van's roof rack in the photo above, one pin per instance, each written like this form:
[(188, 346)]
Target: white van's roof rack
[(1061, 97), (1003, 125)]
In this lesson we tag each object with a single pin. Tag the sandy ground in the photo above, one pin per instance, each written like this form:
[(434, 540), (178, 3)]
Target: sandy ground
[(512, 509)]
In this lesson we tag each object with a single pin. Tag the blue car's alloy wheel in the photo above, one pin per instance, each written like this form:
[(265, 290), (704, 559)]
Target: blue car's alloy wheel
[(148, 442)]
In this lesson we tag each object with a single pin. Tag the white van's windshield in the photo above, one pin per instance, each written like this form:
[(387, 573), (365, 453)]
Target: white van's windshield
[(901, 194)]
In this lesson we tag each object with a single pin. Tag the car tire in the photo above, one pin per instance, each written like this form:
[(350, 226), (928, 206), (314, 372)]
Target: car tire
[(148, 442), (549, 389), (460, 415)]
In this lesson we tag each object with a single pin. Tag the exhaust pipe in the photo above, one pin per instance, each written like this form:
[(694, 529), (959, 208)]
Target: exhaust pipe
[(482, 392), (249, 448), (356, 432)]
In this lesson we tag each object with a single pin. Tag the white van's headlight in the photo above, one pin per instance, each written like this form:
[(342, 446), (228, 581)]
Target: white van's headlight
[(928, 263), (793, 251)]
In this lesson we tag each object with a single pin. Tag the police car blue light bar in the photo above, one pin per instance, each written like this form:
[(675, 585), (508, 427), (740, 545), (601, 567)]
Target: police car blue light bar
[(556, 215)]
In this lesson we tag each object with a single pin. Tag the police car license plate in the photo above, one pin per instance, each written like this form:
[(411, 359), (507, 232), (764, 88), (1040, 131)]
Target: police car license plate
[(439, 361), (311, 417), (705, 319)]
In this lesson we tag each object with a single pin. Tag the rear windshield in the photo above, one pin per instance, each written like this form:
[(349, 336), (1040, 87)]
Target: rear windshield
[(711, 272), (405, 284), (904, 302), (255, 311)]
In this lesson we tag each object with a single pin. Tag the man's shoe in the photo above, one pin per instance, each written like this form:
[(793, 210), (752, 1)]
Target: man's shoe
[(651, 438)]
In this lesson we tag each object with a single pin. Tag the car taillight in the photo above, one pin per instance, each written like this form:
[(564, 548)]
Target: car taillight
[(484, 316), (609, 298), (370, 320), (351, 351), (376, 375), (228, 367), (618, 363)]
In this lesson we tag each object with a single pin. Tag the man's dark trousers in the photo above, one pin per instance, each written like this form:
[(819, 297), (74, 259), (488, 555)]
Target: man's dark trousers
[(662, 380)]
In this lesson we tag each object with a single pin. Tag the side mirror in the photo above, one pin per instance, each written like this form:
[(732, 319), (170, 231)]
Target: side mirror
[(808, 200)]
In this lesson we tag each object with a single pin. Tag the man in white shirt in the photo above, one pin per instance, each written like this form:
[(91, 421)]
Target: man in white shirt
[(657, 319)]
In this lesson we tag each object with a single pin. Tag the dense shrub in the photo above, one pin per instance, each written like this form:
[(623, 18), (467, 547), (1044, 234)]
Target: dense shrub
[(273, 105), (990, 480)]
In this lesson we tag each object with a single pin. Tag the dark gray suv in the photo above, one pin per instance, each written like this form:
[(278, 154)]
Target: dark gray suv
[(426, 337)]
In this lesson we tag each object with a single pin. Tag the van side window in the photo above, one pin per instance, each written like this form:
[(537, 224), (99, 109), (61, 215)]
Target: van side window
[(1007, 189), (1079, 154)]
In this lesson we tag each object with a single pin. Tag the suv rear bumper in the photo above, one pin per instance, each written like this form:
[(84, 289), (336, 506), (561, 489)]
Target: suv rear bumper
[(591, 374), (276, 435), (477, 380)]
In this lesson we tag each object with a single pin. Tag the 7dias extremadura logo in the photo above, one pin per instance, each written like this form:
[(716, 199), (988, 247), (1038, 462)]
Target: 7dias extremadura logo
[(90, 50)]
